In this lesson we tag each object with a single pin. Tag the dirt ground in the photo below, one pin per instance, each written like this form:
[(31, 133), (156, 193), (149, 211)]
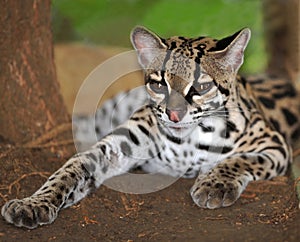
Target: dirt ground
[(266, 211)]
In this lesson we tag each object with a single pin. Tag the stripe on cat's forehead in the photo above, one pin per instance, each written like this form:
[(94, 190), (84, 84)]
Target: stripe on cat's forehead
[(176, 66)]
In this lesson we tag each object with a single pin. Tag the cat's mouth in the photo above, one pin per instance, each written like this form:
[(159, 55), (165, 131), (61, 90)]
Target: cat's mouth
[(179, 126)]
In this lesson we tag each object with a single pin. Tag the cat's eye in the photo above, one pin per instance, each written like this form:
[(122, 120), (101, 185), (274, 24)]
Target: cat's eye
[(201, 88), (158, 86)]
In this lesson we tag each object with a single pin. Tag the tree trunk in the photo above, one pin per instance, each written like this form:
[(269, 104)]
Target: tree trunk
[(282, 27), (30, 101)]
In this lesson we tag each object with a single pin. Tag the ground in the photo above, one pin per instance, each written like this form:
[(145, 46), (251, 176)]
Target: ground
[(266, 211)]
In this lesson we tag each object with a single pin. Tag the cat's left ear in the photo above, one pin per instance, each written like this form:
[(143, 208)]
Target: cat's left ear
[(230, 50)]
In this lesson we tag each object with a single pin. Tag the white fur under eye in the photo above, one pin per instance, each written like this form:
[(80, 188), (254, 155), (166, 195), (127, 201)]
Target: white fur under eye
[(156, 76)]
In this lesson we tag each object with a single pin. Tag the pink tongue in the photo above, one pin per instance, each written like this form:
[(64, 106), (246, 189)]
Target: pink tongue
[(174, 116)]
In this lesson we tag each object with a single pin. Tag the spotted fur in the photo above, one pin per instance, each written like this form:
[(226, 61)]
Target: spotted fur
[(202, 120)]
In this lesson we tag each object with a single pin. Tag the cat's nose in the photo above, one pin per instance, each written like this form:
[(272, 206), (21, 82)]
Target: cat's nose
[(176, 115)]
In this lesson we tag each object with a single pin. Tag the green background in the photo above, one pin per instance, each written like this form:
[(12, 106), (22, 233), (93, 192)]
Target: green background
[(109, 22)]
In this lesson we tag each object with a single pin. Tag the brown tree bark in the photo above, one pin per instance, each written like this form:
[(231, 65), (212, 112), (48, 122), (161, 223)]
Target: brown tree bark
[(30, 100), (282, 27)]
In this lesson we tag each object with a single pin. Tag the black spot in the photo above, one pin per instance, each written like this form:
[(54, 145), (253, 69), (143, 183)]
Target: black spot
[(70, 165), (223, 90), (150, 122), (223, 43), (249, 169), (255, 121), (296, 134), (127, 133), (227, 176), (103, 148), (279, 148), (169, 137), (243, 156), (104, 169), (278, 168), (207, 129), (45, 208), (49, 191), (214, 149), (64, 178), (167, 159), (234, 169), (114, 121), (91, 156), (146, 132), (267, 102), (230, 127), (208, 184), (275, 124), (173, 45), (276, 140), (281, 170), (174, 152), (88, 167), (71, 196), (51, 178), (126, 149), (59, 196), (185, 153), (103, 111), (289, 117), (197, 59), (261, 160), (287, 90), (247, 103), (97, 129), (150, 153), (243, 143), (219, 185), (135, 118)]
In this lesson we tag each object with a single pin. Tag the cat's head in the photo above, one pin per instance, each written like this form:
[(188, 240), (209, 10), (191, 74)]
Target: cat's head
[(188, 78)]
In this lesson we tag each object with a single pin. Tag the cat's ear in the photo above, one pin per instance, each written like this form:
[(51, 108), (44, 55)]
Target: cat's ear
[(148, 45), (230, 50)]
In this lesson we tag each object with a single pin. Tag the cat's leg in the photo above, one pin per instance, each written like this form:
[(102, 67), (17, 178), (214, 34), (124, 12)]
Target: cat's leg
[(67, 186), (223, 185), (115, 154)]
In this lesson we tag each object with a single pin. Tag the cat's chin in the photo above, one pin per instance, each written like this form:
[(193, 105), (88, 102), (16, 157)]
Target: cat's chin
[(179, 130)]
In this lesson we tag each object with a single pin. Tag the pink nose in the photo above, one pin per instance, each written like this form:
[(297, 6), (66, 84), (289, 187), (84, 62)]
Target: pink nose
[(175, 115)]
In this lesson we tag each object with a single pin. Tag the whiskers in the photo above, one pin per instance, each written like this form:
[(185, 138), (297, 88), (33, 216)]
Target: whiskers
[(219, 112)]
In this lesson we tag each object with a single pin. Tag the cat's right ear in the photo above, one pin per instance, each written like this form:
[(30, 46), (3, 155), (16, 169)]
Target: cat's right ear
[(147, 44)]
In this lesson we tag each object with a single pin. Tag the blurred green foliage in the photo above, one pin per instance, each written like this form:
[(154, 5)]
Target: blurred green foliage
[(108, 22)]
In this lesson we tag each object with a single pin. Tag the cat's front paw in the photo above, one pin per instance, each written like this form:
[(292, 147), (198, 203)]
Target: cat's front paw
[(210, 192), (29, 212)]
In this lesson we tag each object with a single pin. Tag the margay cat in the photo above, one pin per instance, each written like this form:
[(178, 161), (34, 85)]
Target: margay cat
[(203, 120)]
